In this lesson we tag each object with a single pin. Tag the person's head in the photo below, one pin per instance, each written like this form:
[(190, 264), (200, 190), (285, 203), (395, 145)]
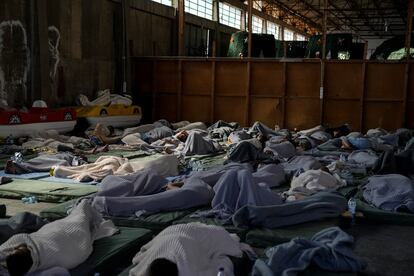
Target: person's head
[(162, 267), (304, 144), (325, 169), (182, 136), (111, 130), (19, 261)]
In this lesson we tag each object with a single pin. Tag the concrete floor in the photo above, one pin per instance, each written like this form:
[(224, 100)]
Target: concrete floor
[(14, 206), (388, 249)]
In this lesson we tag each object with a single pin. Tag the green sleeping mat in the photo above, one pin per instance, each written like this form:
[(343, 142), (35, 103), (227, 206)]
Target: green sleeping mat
[(156, 222), (375, 215), (118, 153), (45, 191), (263, 238), (241, 232), (114, 252), (204, 163)]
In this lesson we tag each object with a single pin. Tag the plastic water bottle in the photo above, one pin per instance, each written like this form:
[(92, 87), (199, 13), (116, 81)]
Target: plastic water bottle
[(17, 157), (29, 200), (221, 272), (352, 209), (76, 161)]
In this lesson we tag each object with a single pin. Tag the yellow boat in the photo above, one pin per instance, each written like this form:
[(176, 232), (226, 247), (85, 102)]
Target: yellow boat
[(117, 115)]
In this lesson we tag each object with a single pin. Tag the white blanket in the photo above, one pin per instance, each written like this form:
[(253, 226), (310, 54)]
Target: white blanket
[(196, 249), (164, 165), (313, 181), (64, 243)]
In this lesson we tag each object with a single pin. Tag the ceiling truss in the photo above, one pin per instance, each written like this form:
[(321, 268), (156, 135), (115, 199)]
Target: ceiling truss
[(363, 18)]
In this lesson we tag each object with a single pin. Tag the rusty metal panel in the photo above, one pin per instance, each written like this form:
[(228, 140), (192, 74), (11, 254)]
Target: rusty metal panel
[(196, 78), (166, 107), (410, 114), (230, 109), (231, 78), (339, 112), (303, 79), (266, 110), (302, 113), (143, 75), (343, 80), (167, 76), (266, 78), (384, 81), (195, 108), (388, 115), (410, 92)]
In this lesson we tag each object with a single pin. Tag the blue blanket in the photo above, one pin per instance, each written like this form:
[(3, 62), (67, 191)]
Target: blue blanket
[(138, 184), (329, 249), (193, 194), (237, 188), (391, 192), (318, 206)]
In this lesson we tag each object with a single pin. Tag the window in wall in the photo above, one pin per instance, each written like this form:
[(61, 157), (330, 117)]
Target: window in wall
[(300, 37), (164, 2), (230, 16), (257, 24), (273, 29), (288, 35), (256, 4), (202, 8)]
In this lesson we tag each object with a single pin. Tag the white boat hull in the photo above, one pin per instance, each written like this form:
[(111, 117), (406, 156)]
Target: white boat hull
[(116, 121), (30, 129)]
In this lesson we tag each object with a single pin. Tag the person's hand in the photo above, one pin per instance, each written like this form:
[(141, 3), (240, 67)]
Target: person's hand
[(171, 186)]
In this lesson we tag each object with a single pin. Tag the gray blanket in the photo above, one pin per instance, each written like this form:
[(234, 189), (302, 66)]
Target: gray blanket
[(20, 223), (303, 162), (193, 194), (318, 206), (138, 184), (44, 162), (282, 150), (366, 158), (259, 128), (329, 249), (245, 151), (392, 192), (238, 188), (196, 143)]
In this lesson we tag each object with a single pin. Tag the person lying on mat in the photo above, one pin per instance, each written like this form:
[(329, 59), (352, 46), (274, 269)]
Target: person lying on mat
[(104, 135), (193, 249), (64, 243), (148, 192)]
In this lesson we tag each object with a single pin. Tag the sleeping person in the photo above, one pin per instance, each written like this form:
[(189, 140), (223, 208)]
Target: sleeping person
[(192, 249), (64, 243)]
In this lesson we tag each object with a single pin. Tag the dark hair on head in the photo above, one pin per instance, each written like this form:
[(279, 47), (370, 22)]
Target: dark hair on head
[(111, 130), (162, 267), (19, 263)]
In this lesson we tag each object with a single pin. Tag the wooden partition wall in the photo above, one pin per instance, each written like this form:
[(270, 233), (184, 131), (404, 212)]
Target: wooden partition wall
[(364, 94)]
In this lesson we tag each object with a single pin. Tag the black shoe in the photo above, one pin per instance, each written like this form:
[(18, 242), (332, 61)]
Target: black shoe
[(2, 211)]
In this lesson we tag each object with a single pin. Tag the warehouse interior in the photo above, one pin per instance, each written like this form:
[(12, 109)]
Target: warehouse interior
[(206, 137)]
